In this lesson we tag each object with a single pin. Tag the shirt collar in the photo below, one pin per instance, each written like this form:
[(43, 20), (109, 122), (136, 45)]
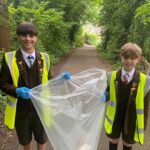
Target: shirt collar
[(129, 73), (25, 55)]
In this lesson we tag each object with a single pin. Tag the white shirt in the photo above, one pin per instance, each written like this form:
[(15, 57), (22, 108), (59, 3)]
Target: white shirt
[(25, 57), (130, 74)]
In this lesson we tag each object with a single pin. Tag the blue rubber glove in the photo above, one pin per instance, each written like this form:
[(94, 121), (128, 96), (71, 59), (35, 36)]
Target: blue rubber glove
[(23, 92), (66, 75), (104, 97)]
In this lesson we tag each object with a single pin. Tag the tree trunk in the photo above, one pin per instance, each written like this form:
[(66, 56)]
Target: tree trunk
[(4, 28)]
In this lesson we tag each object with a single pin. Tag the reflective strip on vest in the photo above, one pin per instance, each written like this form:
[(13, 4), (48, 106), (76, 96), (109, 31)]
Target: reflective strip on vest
[(143, 88), (12, 104), (147, 85), (10, 111), (113, 104), (139, 111)]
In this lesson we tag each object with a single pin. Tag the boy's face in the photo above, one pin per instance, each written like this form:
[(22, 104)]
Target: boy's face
[(28, 42), (129, 63)]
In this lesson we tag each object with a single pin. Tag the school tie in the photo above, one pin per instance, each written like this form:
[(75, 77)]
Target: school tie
[(30, 59), (125, 79)]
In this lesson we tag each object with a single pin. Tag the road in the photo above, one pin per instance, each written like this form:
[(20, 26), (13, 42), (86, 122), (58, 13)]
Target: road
[(82, 59)]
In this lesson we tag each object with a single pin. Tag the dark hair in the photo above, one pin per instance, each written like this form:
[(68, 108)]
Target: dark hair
[(130, 50), (26, 28)]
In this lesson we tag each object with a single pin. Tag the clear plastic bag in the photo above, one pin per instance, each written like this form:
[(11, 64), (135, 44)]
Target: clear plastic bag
[(71, 111)]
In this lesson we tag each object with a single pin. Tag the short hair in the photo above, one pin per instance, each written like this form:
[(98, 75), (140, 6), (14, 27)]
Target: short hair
[(130, 50), (26, 28)]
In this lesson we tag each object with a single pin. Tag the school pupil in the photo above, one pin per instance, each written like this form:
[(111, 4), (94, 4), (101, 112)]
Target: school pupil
[(129, 91), (21, 71)]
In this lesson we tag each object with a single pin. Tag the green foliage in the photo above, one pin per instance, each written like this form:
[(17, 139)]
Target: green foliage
[(124, 21), (74, 10), (143, 13), (77, 12), (54, 32), (142, 30), (79, 40), (53, 36), (147, 48), (91, 38), (59, 22), (30, 4)]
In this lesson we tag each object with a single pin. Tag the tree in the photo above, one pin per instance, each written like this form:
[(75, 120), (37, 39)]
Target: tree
[(117, 18), (4, 29)]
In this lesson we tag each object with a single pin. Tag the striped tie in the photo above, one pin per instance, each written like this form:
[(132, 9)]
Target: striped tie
[(125, 79), (30, 59)]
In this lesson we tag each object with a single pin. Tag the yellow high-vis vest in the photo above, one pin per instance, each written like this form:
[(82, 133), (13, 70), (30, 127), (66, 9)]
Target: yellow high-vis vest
[(111, 110), (10, 111)]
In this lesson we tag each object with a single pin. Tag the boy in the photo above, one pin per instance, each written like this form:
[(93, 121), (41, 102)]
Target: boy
[(127, 110), (22, 70)]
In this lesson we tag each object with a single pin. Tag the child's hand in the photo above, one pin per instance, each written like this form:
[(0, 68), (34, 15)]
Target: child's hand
[(66, 75), (23, 92), (104, 97)]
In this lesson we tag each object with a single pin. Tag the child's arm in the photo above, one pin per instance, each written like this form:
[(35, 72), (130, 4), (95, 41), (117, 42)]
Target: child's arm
[(6, 81)]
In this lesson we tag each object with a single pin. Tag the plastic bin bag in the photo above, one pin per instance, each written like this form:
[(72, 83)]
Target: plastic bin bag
[(71, 111)]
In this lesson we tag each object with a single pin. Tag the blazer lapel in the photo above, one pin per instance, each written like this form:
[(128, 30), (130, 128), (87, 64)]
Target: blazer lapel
[(21, 66), (134, 86)]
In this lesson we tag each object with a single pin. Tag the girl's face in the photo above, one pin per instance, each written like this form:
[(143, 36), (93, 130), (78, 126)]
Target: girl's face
[(129, 63), (28, 42)]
